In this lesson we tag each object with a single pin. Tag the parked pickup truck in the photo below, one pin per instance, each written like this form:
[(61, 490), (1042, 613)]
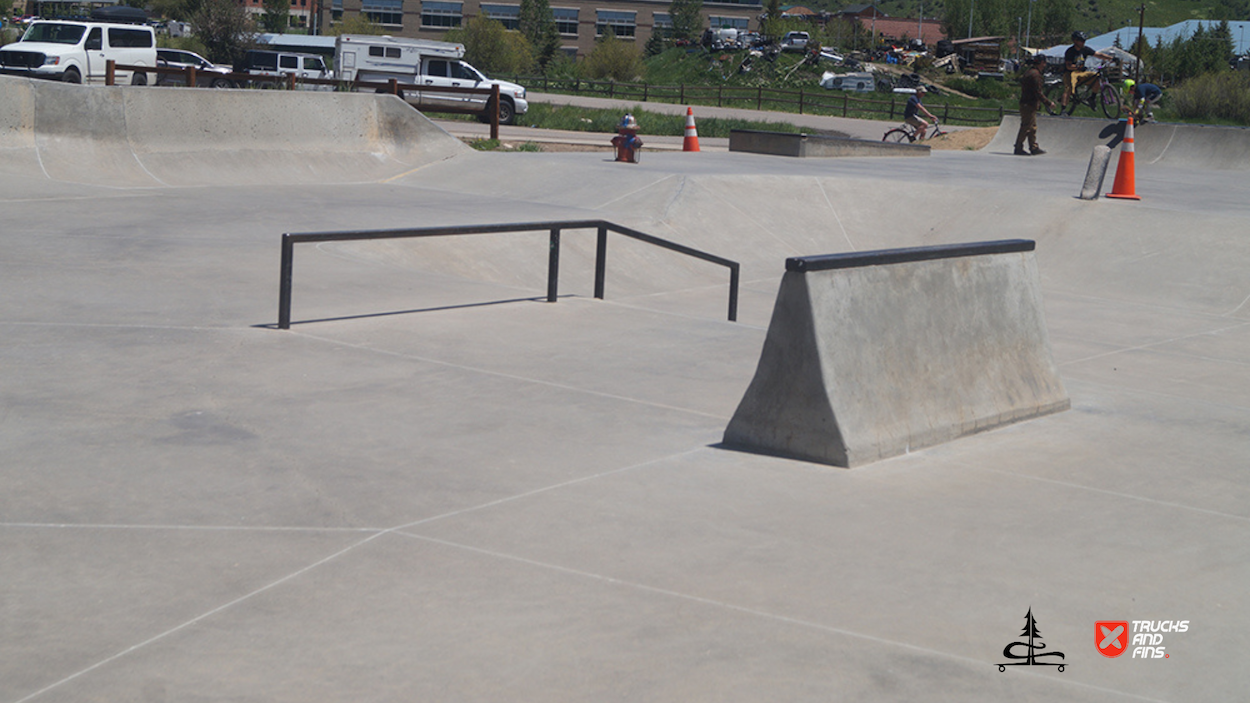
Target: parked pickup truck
[(421, 67)]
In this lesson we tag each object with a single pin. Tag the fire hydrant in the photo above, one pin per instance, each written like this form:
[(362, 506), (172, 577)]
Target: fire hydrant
[(626, 140)]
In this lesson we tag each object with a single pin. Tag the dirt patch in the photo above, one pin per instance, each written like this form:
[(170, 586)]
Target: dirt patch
[(964, 139)]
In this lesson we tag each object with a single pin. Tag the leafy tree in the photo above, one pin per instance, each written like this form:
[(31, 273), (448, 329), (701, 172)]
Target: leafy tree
[(492, 48), (356, 24), (225, 29), (277, 16), (1055, 20), (614, 59), (538, 26), (687, 17)]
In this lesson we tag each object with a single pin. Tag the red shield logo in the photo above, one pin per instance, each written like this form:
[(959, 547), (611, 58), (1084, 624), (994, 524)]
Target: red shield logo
[(1111, 637)]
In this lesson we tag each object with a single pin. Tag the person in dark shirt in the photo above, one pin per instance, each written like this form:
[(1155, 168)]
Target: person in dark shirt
[(1074, 72), (1143, 97), (915, 106), (1031, 98)]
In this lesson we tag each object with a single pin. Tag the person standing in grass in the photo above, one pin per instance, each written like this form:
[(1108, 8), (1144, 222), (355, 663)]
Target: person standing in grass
[(1031, 98)]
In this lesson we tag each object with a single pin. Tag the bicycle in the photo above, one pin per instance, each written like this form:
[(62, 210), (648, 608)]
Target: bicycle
[(908, 133), (1096, 93)]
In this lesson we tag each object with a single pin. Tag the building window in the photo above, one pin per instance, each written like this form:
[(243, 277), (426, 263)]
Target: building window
[(507, 15), (739, 23), (388, 12), (336, 10), (661, 22), (566, 20), (440, 14), (618, 22)]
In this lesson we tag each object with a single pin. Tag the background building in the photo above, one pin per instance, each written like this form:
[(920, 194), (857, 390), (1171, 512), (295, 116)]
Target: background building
[(580, 22)]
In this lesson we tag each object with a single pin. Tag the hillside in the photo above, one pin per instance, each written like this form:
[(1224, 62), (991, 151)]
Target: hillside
[(1092, 16)]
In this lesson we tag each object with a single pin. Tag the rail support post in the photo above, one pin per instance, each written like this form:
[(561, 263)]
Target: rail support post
[(553, 266), (733, 293), (110, 72), (284, 283), (601, 261)]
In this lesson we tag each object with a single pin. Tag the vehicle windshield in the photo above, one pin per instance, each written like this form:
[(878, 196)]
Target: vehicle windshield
[(54, 33), (468, 72)]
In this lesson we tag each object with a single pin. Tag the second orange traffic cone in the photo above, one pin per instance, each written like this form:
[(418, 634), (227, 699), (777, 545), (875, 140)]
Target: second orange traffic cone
[(691, 142), (1126, 171)]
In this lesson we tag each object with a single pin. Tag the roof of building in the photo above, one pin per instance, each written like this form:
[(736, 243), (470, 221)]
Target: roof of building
[(1152, 35), (930, 31)]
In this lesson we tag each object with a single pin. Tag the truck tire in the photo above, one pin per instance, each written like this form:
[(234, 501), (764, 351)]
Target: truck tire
[(71, 75), (507, 112), (138, 78)]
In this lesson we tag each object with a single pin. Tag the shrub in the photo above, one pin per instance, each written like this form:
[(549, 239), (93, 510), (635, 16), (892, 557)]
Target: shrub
[(614, 59), (1224, 95), (989, 88)]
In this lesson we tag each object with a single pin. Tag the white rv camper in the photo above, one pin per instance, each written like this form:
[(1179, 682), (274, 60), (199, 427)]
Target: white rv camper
[(421, 66)]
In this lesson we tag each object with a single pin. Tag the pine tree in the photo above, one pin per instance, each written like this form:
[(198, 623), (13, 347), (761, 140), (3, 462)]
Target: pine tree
[(687, 17), (538, 26)]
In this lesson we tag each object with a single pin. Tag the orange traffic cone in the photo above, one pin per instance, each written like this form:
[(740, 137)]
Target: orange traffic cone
[(691, 142), (1126, 172)]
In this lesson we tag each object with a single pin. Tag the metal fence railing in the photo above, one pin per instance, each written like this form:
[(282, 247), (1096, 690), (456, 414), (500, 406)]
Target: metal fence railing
[(822, 102), (553, 258)]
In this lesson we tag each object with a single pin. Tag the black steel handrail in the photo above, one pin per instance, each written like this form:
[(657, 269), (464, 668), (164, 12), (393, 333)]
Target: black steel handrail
[(289, 240)]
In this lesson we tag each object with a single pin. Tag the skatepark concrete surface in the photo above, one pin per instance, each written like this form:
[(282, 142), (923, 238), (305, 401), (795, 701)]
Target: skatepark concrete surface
[(438, 487)]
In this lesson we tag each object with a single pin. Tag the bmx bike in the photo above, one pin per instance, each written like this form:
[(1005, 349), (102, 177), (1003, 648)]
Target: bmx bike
[(1096, 92), (908, 133)]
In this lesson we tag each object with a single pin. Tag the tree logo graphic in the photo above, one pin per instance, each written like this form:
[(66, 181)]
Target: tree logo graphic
[(1032, 648)]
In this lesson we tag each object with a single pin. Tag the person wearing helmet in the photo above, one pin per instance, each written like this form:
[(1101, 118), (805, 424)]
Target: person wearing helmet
[(1142, 98), (1031, 97), (1074, 73), (914, 106)]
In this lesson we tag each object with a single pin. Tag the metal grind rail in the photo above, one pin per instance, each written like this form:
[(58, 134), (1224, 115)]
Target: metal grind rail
[(289, 241)]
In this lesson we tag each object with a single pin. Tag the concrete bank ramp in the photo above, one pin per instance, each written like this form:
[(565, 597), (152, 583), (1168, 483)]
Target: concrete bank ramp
[(142, 136), (1178, 145), (874, 354)]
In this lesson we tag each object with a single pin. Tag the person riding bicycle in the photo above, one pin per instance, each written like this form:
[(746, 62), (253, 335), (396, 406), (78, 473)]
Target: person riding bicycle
[(1142, 98), (1074, 73), (914, 106)]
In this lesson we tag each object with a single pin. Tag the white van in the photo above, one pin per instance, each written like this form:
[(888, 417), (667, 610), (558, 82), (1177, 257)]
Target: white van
[(420, 66), (75, 52)]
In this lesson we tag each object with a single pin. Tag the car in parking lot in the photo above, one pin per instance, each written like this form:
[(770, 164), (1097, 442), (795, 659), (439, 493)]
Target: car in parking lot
[(795, 41), (208, 74)]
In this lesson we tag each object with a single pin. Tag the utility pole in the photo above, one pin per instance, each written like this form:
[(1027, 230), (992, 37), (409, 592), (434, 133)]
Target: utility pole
[(1018, 20), (1028, 28), (1141, 28), (971, 7)]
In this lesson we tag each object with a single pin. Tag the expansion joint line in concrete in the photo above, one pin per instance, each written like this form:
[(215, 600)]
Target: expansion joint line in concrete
[(325, 560), (754, 612), (512, 377), (1103, 491), (1161, 342), (846, 235)]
